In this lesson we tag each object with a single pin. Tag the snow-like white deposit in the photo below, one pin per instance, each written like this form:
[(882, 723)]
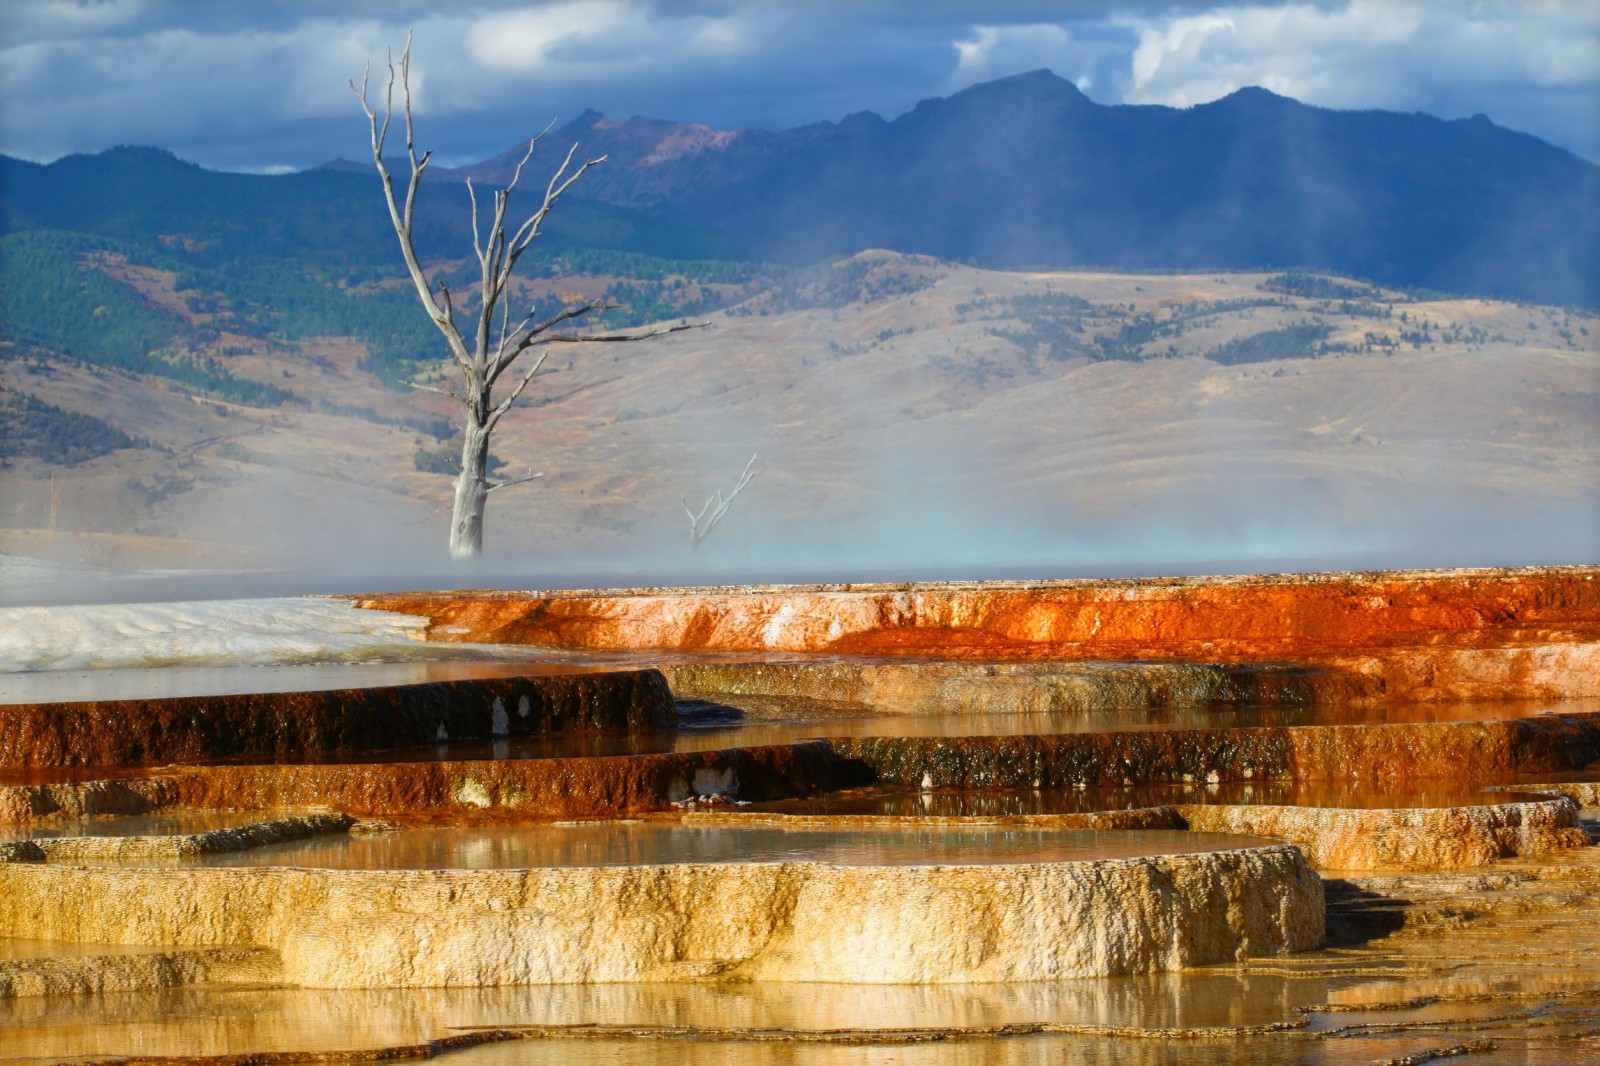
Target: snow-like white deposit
[(231, 632)]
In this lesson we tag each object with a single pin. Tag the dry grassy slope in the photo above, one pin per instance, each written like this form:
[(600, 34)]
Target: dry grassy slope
[(873, 443)]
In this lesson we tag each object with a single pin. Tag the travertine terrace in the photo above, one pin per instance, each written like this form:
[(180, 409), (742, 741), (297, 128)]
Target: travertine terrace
[(1419, 635), (758, 920), (289, 726), (1337, 817)]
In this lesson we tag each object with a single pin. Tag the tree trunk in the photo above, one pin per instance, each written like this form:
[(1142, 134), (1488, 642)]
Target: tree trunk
[(480, 359), (472, 490)]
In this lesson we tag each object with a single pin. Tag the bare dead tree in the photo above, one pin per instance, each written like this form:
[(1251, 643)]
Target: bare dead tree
[(702, 523), (490, 346)]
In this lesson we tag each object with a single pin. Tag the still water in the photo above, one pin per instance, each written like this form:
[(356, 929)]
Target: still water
[(222, 1020), (657, 843)]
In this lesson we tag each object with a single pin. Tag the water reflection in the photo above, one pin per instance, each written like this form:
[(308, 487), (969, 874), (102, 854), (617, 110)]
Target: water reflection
[(12, 948), (221, 1020), (211, 1021), (716, 728), (174, 823), (653, 843), (899, 802)]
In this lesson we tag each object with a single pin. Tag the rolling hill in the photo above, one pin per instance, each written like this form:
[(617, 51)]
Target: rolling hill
[(909, 413)]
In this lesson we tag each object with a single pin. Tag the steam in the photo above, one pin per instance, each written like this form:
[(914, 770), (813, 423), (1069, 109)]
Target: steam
[(885, 455)]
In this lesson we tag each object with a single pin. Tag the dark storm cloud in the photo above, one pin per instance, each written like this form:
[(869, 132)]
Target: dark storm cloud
[(258, 85), (38, 20)]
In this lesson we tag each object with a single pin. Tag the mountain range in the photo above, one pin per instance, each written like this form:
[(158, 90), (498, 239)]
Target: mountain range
[(1028, 171), (1022, 172)]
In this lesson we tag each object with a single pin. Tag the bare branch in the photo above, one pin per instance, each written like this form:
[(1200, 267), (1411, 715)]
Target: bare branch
[(497, 485), (449, 307), (496, 270), (492, 259), (405, 81), (505, 405), (535, 335), (597, 339), (504, 357), (530, 226), (388, 99), (442, 392), (505, 331), (569, 314), (530, 229), (716, 505), (516, 175), (361, 94), (417, 165), (477, 244), (401, 213), (379, 134)]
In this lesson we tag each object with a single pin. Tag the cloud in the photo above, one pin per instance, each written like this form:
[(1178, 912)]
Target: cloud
[(47, 20), (1451, 59), (1000, 47), (570, 35), (252, 85), (177, 85)]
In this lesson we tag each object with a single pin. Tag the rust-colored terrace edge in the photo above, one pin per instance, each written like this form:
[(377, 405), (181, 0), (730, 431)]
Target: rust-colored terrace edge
[(512, 790), (286, 725), (1430, 634)]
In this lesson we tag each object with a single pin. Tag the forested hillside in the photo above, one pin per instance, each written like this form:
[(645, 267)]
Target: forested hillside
[(57, 300), (283, 259)]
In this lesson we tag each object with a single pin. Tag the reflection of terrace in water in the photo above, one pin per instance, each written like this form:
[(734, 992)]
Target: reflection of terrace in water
[(322, 1020), (1003, 803), (170, 823), (737, 694), (704, 727), (624, 844)]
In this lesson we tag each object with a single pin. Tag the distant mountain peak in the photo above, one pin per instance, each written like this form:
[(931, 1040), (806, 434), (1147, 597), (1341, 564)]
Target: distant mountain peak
[(342, 165), (1041, 76), (1043, 83), (132, 155), (589, 120), (1042, 90), (642, 141), (863, 119), (1255, 96)]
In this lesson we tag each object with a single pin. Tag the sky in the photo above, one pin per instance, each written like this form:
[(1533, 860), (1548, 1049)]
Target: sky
[(260, 85)]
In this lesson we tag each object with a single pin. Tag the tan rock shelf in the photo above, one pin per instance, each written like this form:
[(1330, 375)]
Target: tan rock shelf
[(1419, 838), (117, 847), (802, 919), (1341, 825)]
